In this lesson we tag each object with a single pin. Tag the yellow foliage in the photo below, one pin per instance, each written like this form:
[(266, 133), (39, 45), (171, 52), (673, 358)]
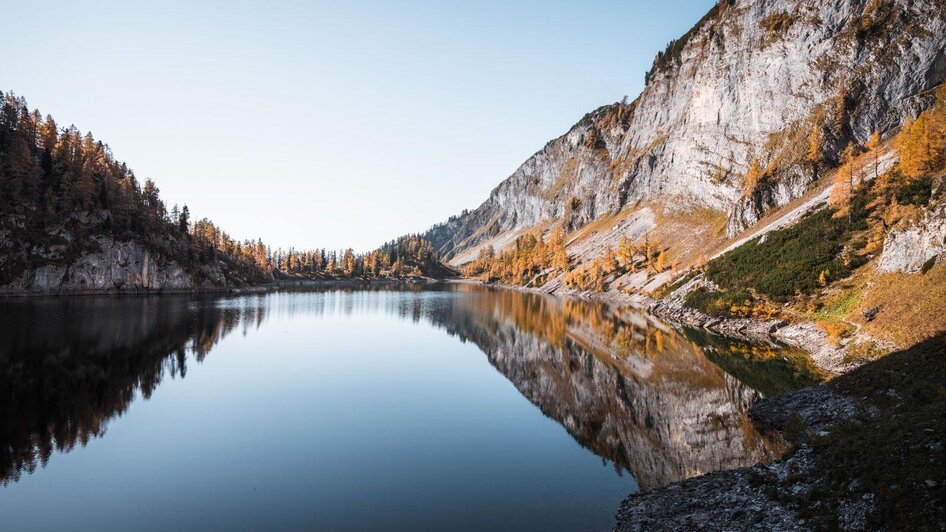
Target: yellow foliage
[(815, 145), (921, 142), (873, 147), (626, 251), (752, 178), (842, 191), (836, 330), (661, 264)]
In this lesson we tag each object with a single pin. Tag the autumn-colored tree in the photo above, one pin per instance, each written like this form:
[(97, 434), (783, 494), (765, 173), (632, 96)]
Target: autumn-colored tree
[(915, 147), (560, 259), (752, 178), (609, 260), (626, 251), (840, 108), (661, 263), (873, 148), (815, 146), (842, 190)]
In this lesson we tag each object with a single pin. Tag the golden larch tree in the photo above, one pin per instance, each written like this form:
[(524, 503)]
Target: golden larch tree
[(752, 178), (873, 147), (815, 146), (842, 191)]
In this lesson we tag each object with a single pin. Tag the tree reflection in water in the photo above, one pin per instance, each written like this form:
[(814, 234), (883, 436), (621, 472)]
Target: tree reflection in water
[(652, 400)]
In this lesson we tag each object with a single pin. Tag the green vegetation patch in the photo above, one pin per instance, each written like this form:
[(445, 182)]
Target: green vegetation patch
[(767, 368), (839, 306), (797, 259), (915, 192), (720, 303)]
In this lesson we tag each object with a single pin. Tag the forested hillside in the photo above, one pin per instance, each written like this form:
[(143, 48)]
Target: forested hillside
[(74, 218)]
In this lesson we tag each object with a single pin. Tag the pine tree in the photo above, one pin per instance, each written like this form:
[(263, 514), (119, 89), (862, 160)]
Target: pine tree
[(183, 222)]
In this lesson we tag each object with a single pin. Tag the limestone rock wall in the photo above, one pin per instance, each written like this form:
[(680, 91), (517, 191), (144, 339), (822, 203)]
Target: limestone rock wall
[(906, 249), (751, 81), (117, 266)]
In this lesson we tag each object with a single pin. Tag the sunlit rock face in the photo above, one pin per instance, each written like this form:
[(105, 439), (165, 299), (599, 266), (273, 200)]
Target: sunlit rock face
[(631, 390), (126, 266), (910, 247), (751, 80)]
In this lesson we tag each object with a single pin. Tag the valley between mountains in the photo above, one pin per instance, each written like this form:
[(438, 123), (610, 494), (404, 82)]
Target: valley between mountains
[(782, 177)]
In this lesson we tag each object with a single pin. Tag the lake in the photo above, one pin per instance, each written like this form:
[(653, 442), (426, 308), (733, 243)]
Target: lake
[(442, 407)]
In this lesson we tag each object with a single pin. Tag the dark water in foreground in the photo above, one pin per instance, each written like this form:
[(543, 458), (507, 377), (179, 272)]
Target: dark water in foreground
[(446, 408)]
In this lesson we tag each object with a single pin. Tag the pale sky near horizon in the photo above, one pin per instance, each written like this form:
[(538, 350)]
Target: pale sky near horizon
[(329, 124)]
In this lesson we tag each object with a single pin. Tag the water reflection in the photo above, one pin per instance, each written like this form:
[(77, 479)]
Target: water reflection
[(68, 366), (651, 400), (630, 388)]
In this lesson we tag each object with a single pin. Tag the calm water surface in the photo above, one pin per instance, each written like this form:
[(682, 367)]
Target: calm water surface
[(449, 408)]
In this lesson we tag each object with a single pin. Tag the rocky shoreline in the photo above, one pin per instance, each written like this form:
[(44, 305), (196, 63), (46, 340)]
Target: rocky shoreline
[(263, 288), (803, 335), (782, 495), (869, 454), (136, 291)]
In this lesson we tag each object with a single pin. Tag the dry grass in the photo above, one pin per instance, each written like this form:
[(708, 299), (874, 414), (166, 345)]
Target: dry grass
[(836, 330), (601, 223), (912, 306), (689, 234)]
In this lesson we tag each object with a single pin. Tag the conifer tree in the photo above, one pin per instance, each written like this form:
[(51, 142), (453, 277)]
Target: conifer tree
[(752, 178), (815, 148), (842, 190), (626, 251), (661, 263), (873, 147), (183, 222)]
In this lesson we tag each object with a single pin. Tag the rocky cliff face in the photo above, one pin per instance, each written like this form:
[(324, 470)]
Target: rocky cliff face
[(116, 266), (908, 248), (752, 80)]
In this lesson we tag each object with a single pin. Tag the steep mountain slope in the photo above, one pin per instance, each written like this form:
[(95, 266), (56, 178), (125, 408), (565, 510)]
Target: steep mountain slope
[(753, 80)]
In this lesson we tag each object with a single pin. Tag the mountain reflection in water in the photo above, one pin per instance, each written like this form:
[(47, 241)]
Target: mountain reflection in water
[(659, 403)]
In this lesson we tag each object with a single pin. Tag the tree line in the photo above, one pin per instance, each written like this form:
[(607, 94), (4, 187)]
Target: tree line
[(532, 260), (61, 188)]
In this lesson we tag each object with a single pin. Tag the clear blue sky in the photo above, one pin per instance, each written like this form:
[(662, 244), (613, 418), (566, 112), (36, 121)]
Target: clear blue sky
[(329, 124)]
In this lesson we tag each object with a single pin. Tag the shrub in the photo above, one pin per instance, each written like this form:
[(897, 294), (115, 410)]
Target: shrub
[(836, 330), (863, 351), (791, 260), (779, 22), (724, 303)]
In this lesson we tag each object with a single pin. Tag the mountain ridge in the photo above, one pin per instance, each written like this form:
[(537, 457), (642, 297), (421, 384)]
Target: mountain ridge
[(750, 81)]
